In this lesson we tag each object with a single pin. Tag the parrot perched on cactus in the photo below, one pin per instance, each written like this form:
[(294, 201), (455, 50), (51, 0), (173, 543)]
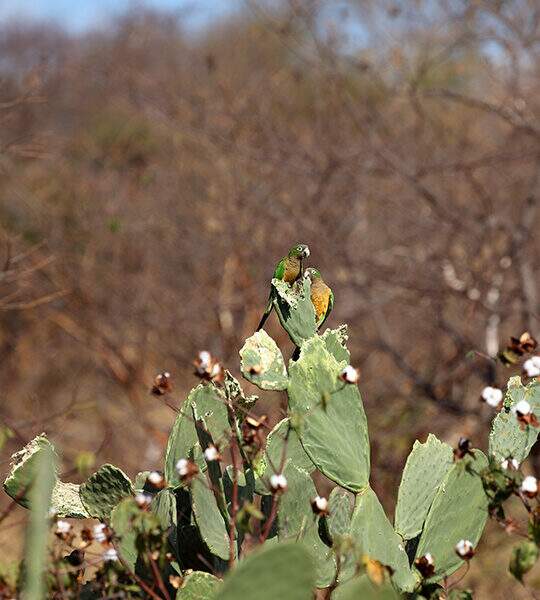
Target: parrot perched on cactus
[(322, 296), (288, 269)]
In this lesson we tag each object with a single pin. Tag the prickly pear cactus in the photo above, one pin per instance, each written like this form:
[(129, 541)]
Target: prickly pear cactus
[(209, 402), (103, 490), (65, 498), (332, 425), (507, 437), (295, 310), (375, 537), (296, 522), (458, 511), (284, 570), (198, 585), (426, 467), (262, 362)]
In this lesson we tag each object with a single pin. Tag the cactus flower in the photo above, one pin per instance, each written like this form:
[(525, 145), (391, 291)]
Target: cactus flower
[(350, 375), (531, 367), (278, 483), (110, 555)]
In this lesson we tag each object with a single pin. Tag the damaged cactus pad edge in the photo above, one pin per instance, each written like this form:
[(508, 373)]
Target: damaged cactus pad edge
[(257, 528)]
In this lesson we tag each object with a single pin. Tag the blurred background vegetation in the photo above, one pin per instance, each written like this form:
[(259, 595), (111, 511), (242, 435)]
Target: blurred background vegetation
[(151, 176)]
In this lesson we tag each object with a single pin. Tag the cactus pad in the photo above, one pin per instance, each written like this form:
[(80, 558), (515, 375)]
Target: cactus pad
[(103, 490), (426, 466), (262, 362), (333, 427)]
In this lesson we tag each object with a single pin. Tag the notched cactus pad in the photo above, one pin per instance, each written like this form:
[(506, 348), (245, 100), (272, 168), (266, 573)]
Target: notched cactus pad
[(198, 585), (276, 571), (507, 438), (22, 469), (426, 466), (262, 362), (458, 511), (65, 498), (103, 490), (295, 310), (235, 394), (333, 425), (336, 342), (374, 535)]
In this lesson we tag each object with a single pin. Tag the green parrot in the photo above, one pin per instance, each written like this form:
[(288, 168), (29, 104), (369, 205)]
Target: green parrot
[(288, 269), (322, 297)]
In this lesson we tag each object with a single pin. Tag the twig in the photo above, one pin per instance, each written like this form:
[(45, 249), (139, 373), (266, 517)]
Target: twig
[(158, 579), (234, 501)]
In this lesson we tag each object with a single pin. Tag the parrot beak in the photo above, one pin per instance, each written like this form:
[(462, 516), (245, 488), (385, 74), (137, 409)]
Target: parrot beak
[(306, 253)]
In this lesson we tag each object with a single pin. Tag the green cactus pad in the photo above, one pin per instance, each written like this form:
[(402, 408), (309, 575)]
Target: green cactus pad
[(275, 443), (103, 490), (374, 535), (507, 438), (164, 507), (276, 571), (295, 310), (296, 521), (340, 509), (22, 469), (336, 343), (122, 518), (458, 511), (242, 403), (209, 519), (334, 436), (198, 585), (210, 404), (262, 362), (65, 498), (66, 501), (43, 478), (361, 588), (426, 466)]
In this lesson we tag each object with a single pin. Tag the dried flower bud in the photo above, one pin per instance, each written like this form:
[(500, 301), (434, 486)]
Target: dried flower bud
[(110, 555), (101, 533), (492, 396), (527, 342), (464, 549), (510, 464), (252, 433), (175, 581), (155, 480), (187, 469), (529, 487), (319, 506), (162, 384), (75, 558), (208, 368), (143, 500), (87, 535), (376, 571), (278, 483), (531, 367), (425, 565), (63, 529), (463, 448), (350, 375), (211, 453), (524, 414), (255, 370)]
